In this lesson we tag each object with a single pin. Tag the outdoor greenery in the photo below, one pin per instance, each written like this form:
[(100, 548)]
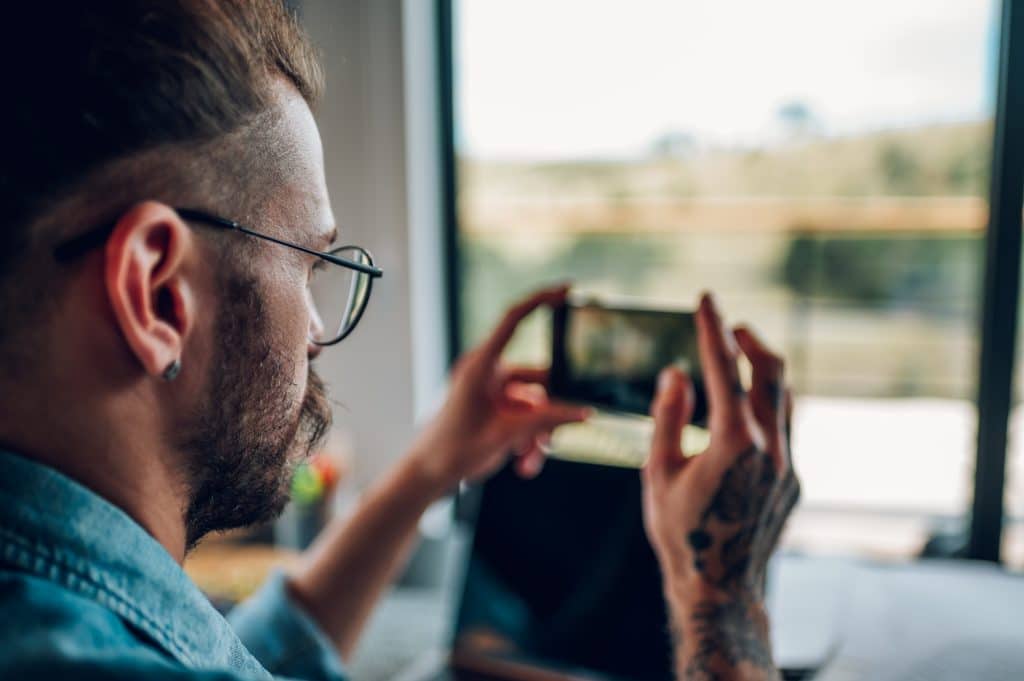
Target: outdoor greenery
[(930, 275), (861, 255), (939, 160)]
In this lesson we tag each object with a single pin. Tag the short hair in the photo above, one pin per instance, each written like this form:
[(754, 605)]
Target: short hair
[(96, 87)]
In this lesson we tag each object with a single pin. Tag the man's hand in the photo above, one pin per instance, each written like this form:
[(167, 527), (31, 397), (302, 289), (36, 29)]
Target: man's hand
[(715, 519), (493, 410)]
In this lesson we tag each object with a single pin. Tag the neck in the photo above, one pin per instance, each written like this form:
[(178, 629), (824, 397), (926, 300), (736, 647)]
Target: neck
[(86, 439)]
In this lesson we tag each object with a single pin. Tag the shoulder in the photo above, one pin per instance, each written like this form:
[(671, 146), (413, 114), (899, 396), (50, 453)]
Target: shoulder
[(114, 669), (50, 632), (41, 614)]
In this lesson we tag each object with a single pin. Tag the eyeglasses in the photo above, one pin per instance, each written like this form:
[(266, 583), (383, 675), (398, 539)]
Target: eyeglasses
[(339, 287)]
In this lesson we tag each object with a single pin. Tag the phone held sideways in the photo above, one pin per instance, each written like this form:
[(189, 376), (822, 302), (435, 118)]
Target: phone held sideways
[(608, 355)]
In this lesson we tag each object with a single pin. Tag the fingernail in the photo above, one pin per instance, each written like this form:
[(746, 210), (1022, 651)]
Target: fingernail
[(730, 339), (666, 380), (712, 302)]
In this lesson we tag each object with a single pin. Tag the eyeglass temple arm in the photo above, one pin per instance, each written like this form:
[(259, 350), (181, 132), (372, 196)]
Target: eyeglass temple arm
[(85, 242), (188, 214), (74, 248)]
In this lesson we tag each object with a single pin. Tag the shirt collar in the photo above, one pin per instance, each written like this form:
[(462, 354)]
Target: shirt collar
[(61, 531)]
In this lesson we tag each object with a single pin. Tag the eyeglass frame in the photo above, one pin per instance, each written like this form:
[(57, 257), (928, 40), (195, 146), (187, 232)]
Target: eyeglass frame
[(76, 246)]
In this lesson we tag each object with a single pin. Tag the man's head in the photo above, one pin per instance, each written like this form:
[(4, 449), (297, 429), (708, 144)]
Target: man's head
[(118, 111)]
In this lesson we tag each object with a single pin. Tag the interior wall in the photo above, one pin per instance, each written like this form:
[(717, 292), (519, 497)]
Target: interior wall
[(362, 123)]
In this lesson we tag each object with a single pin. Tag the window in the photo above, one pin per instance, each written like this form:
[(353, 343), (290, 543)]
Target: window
[(822, 167)]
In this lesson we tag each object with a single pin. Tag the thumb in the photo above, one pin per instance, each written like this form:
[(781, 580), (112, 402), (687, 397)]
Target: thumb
[(672, 409), (547, 417)]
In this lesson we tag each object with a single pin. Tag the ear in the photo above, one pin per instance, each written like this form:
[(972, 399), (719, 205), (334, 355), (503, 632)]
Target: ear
[(147, 283)]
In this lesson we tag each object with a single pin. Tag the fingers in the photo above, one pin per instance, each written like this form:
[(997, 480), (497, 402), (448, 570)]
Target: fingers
[(523, 396), (767, 393), (546, 417), (672, 409), (499, 338), (788, 426), (727, 400), (531, 462), (522, 375)]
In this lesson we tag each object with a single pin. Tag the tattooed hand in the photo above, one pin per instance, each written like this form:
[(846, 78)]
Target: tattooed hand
[(714, 519)]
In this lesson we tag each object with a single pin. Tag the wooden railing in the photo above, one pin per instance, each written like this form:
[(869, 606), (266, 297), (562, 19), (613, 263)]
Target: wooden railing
[(484, 214)]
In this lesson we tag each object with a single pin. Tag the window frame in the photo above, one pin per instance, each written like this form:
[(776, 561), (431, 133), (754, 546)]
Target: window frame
[(1000, 293)]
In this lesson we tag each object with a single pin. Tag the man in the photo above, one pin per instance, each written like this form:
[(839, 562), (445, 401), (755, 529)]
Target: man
[(165, 210)]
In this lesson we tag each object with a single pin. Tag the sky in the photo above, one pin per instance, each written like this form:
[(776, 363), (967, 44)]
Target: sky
[(575, 79)]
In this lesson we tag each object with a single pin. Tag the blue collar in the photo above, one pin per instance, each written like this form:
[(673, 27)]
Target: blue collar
[(58, 530)]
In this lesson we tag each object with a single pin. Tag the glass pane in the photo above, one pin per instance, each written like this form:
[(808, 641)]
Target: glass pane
[(339, 293), (821, 166)]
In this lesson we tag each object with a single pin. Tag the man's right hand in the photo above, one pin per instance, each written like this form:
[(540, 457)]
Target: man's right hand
[(714, 519)]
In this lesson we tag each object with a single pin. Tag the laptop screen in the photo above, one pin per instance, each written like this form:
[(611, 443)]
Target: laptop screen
[(561, 574)]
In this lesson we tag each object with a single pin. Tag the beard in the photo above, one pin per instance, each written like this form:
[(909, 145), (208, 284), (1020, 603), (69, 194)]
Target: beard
[(247, 438)]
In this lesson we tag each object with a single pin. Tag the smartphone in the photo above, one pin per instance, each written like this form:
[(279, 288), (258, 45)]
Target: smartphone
[(609, 355)]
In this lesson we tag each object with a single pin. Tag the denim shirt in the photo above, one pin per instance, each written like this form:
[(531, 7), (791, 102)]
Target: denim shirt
[(86, 593)]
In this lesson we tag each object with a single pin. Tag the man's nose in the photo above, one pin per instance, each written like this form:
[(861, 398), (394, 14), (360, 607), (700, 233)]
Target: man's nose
[(313, 350)]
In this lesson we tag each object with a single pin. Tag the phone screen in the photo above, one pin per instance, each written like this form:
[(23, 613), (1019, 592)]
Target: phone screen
[(610, 357)]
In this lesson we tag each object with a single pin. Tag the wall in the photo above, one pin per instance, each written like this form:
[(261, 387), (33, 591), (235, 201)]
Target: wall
[(378, 377)]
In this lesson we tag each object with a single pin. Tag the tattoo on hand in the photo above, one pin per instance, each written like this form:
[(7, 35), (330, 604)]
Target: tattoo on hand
[(737, 388), (731, 546), (732, 520), (776, 395), (727, 636)]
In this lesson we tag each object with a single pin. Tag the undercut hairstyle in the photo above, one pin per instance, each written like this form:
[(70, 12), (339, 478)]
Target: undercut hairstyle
[(111, 102)]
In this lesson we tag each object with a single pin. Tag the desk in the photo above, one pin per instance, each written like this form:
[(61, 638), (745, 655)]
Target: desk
[(871, 621), (409, 622), (229, 571), (933, 620)]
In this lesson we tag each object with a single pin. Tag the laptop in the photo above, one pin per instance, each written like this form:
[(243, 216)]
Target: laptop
[(558, 582)]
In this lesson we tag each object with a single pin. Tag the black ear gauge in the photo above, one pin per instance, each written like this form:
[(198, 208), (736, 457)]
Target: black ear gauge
[(172, 370)]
